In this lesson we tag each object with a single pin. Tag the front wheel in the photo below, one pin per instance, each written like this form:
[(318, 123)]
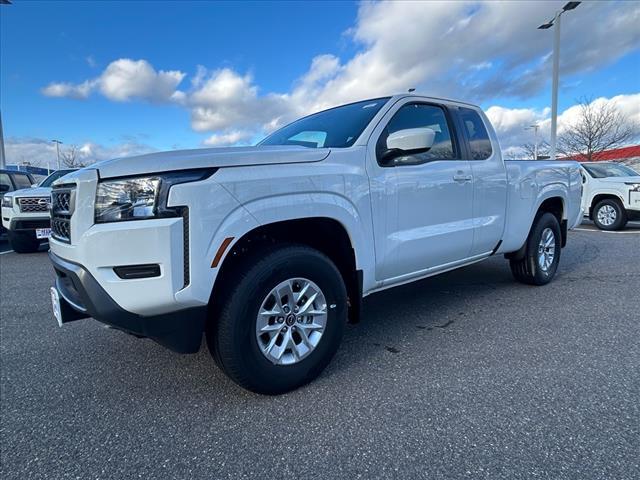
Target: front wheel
[(608, 214), (24, 242), (283, 321), (542, 252)]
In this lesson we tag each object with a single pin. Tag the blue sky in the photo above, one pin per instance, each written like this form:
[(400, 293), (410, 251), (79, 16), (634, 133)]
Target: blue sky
[(47, 41), (243, 68)]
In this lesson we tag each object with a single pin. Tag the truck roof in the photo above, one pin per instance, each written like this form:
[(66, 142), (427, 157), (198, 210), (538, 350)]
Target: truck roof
[(441, 99)]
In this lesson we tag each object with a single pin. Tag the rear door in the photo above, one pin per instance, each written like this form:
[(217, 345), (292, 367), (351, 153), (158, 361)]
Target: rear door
[(422, 205), (489, 179)]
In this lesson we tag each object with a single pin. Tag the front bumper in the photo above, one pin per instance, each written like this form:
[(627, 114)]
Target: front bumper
[(82, 297), (29, 223)]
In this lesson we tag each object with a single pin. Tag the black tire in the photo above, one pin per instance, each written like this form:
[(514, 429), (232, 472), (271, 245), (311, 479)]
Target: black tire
[(24, 242), (528, 269), (231, 336), (619, 212)]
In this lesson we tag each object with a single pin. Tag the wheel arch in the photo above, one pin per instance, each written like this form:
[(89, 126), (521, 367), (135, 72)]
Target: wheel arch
[(325, 234), (553, 203)]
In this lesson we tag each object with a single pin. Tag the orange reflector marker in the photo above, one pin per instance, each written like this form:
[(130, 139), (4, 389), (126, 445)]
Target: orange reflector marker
[(225, 244)]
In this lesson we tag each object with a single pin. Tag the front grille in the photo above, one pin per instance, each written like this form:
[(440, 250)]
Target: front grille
[(62, 206), (34, 204)]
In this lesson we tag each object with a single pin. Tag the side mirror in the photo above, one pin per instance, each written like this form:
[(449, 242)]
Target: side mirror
[(4, 188), (411, 139), (407, 142)]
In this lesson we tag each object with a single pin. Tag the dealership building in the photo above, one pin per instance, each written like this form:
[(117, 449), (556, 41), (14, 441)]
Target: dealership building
[(627, 155)]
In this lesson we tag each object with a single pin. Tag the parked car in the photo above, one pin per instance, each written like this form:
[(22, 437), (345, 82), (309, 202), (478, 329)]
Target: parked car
[(611, 195), (270, 249), (12, 180), (25, 214)]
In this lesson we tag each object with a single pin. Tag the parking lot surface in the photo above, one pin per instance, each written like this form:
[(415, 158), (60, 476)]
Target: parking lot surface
[(465, 375)]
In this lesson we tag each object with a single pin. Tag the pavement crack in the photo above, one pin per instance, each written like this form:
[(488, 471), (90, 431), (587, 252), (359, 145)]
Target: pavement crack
[(444, 325)]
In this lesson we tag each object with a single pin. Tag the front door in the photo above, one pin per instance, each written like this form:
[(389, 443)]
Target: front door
[(422, 204)]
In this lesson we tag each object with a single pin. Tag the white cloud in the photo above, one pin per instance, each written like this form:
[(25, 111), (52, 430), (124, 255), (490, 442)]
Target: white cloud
[(91, 61), (475, 51), (468, 50), (229, 138), (79, 91), (42, 153), (124, 80)]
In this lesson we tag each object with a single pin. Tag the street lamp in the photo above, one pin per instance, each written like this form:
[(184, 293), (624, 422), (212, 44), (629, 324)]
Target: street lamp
[(535, 128), (556, 64), (58, 143)]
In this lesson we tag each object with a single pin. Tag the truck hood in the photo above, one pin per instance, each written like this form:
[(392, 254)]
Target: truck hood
[(32, 192), (208, 157)]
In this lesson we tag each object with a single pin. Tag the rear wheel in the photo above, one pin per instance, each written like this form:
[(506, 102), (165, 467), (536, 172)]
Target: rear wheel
[(282, 323), (24, 242), (542, 252), (608, 214)]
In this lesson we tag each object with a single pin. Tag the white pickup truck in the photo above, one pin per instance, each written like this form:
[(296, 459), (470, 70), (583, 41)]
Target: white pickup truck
[(611, 194), (270, 249), (25, 214)]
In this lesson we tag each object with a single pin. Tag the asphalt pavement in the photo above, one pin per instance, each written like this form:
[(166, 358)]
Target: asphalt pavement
[(465, 375)]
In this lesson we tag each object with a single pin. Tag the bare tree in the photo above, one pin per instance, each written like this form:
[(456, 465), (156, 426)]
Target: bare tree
[(70, 158), (529, 151), (600, 126)]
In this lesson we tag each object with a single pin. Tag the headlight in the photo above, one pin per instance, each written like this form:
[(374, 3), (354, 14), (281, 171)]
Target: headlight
[(139, 198), (7, 201), (635, 187)]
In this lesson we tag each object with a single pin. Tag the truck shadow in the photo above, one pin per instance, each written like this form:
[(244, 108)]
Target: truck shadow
[(421, 308), (391, 318)]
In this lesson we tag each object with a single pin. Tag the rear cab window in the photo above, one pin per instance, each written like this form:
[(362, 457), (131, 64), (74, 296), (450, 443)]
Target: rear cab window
[(477, 135)]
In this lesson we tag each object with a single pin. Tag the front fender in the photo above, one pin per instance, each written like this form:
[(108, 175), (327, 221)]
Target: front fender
[(319, 205)]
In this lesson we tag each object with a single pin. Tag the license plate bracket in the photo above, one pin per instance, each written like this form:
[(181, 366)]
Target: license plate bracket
[(55, 304)]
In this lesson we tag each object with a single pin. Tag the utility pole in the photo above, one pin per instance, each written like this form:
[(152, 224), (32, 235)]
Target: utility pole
[(556, 68), (58, 143), (3, 162)]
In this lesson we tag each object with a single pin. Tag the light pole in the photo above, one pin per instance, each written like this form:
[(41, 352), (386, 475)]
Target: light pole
[(3, 161), (535, 128), (58, 143), (556, 64)]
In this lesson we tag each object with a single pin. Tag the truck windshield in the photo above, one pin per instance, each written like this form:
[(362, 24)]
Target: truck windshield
[(54, 176), (334, 128), (605, 170)]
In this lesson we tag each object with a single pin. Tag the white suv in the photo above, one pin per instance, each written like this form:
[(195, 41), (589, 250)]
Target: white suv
[(611, 194)]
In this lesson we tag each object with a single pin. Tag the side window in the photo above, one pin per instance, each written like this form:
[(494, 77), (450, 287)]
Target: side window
[(5, 183), (479, 141), (419, 115), (22, 180)]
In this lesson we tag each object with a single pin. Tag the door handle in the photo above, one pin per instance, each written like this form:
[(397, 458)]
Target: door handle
[(462, 178)]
